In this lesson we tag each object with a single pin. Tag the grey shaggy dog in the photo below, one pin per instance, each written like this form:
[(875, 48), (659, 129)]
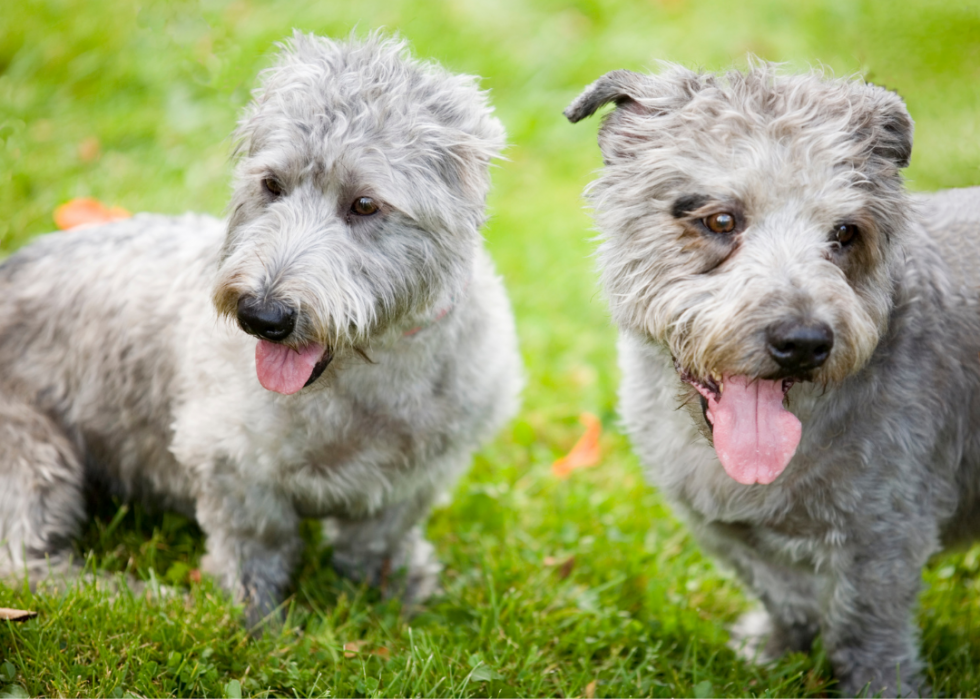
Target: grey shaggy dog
[(338, 348), (798, 343)]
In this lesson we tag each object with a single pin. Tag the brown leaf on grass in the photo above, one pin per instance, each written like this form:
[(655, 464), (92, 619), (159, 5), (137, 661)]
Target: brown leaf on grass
[(86, 212), (90, 149), (352, 648), (586, 451), (194, 576), (590, 690), (564, 567), (16, 614)]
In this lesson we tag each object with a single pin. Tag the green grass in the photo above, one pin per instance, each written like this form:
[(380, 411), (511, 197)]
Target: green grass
[(133, 104)]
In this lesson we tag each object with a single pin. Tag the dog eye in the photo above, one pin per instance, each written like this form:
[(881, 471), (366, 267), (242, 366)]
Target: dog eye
[(845, 233), (272, 186), (723, 222), (364, 206)]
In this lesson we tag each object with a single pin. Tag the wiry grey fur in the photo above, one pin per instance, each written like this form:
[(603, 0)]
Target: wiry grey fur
[(116, 368), (888, 469)]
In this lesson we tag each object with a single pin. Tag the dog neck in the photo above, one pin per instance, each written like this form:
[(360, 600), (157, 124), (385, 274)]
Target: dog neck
[(442, 313)]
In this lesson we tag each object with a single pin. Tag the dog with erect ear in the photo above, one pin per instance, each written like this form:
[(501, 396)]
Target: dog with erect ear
[(798, 343), (337, 348)]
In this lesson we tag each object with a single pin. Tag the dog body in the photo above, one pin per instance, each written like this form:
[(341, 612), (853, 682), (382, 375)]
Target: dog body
[(799, 342), (380, 352)]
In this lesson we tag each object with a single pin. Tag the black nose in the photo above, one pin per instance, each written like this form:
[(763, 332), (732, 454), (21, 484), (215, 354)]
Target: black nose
[(270, 319), (800, 347)]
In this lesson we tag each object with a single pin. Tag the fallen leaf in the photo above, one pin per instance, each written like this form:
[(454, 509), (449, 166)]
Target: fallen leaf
[(565, 569), (86, 212), (381, 652), (195, 575), (90, 149), (586, 451), (16, 614), (564, 566), (590, 690), (352, 648)]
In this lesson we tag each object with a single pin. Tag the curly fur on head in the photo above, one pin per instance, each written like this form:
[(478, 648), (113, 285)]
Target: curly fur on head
[(333, 121), (682, 143)]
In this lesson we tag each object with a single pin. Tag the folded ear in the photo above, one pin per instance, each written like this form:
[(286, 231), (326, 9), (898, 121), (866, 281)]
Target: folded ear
[(640, 100), (893, 128), (619, 86), (649, 95)]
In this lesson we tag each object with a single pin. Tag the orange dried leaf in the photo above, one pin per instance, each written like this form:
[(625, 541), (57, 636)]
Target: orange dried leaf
[(195, 575), (564, 566), (590, 690), (586, 451), (352, 648), (86, 212), (16, 614), (381, 652), (89, 150)]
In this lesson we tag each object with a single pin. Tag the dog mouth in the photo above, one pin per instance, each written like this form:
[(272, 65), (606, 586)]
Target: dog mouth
[(754, 435), (320, 366), (285, 370)]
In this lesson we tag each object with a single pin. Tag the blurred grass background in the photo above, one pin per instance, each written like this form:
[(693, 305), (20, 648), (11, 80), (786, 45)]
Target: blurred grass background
[(580, 587)]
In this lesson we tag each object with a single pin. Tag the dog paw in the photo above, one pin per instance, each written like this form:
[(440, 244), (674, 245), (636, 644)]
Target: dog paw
[(749, 635), (409, 571), (756, 638), (906, 687), (422, 570)]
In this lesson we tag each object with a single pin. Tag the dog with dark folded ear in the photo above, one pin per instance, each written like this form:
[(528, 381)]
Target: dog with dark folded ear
[(798, 344)]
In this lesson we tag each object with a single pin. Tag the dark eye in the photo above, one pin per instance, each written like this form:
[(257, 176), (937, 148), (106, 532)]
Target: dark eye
[(364, 206), (723, 222), (845, 234), (272, 186)]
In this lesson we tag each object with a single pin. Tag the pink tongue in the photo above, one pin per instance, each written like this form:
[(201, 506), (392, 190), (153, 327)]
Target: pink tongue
[(285, 370), (754, 435)]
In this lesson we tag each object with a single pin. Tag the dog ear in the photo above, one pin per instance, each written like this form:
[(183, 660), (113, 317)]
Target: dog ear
[(893, 128), (638, 98), (620, 86), (619, 135), (467, 162)]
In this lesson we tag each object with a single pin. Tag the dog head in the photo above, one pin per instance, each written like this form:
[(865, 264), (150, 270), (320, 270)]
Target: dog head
[(359, 193), (751, 223)]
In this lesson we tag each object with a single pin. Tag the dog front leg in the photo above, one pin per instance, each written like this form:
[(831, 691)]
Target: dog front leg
[(253, 543), (790, 595), (389, 550), (869, 630)]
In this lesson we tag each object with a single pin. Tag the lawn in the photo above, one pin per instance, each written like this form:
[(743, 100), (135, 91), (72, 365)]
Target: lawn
[(585, 586)]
